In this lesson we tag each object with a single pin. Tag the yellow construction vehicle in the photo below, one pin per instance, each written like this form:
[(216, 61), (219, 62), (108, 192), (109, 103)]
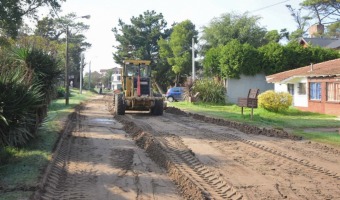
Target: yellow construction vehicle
[(136, 92)]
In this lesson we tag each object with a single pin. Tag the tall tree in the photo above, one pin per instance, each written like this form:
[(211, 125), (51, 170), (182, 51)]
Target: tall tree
[(55, 30), (333, 30), (48, 28), (302, 22), (13, 11), (177, 50), (229, 26), (139, 39), (323, 10)]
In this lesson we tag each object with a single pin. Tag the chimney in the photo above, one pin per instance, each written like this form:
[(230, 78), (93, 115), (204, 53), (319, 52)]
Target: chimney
[(316, 30)]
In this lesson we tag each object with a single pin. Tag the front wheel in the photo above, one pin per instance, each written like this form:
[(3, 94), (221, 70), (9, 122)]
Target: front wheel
[(119, 104), (170, 99), (158, 108)]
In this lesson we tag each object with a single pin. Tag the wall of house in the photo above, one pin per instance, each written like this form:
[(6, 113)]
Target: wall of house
[(299, 100), (115, 83), (280, 87), (323, 106), (240, 87)]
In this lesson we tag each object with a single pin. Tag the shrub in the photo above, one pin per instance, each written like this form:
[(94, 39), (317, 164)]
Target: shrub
[(275, 101), (61, 91), (210, 91), (19, 102)]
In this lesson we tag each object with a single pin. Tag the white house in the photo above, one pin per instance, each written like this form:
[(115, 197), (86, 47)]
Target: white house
[(116, 78), (314, 88)]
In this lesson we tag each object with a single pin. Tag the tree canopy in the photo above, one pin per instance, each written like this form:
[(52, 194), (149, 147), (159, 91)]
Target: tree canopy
[(243, 27), (316, 12), (323, 9), (177, 50), (13, 11), (54, 30), (234, 58), (139, 39)]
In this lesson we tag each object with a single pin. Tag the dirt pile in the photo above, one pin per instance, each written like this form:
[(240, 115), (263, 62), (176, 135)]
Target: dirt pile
[(246, 128)]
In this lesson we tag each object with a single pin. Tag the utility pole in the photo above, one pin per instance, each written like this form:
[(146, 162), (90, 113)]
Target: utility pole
[(81, 74), (193, 58), (67, 86)]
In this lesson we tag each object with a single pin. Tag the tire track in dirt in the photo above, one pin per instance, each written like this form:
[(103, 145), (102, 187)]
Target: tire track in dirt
[(203, 183), (96, 160), (297, 160), (179, 153), (296, 167), (55, 170)]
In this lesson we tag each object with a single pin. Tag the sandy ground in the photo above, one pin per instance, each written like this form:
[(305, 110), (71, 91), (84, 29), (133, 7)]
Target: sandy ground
[(104, 163), (259, 167), (174, 156)]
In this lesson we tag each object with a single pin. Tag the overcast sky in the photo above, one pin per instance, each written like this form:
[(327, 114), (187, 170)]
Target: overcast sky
[(105, 15)]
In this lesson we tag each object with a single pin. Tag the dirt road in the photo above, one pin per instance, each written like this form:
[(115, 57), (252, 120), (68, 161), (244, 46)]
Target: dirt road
[(186, 157), (98, 160)]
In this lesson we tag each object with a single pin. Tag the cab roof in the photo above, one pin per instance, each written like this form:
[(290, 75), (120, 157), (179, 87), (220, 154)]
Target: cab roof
[(137, 62)]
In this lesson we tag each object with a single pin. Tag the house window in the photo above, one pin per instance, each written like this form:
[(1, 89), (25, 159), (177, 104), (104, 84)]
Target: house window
[(315, 91), (290, 88), (118, 78), (302, 88), (333, 92)]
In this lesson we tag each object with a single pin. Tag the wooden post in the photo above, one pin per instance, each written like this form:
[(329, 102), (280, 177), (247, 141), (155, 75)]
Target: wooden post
[(242, 110)]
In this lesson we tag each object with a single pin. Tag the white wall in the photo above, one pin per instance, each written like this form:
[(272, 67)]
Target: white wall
[(281, 87), (115, 82), (240, 87), (298, 99), (301, 100)]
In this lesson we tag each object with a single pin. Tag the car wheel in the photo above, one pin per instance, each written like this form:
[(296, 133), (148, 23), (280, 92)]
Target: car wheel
[(170, 99)]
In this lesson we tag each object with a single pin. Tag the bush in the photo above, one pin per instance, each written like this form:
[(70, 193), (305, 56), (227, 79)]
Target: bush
[(19, 102), (61, 91), (210, 91), (275, 101)]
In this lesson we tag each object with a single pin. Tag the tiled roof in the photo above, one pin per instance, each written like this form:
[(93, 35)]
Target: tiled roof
[(334, 45), (322, 42), (324, 69)]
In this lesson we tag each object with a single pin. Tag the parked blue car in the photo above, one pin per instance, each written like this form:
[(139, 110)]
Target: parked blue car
[(174, 94)]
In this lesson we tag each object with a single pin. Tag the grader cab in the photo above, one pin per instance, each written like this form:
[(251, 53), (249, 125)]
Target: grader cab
[(136, 92)]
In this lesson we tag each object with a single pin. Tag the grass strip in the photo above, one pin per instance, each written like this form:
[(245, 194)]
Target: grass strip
[(22, 168), (293, 120)]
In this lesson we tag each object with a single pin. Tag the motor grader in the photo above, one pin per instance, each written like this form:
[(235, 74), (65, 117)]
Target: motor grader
[(136, 92)]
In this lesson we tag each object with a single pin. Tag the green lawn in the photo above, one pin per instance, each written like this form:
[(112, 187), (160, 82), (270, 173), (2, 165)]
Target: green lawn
[(23, 166), (293, 120)]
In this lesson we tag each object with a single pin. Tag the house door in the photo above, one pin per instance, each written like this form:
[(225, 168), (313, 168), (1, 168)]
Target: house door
[(290, 89)]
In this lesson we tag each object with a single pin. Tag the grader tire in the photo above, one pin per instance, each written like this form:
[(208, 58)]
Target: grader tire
[(119, 104), (158, 108)]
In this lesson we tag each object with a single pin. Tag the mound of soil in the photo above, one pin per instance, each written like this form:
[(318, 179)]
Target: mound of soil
[(246, 128)]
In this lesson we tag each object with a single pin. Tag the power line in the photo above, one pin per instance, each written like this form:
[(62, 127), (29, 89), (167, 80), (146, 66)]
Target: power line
[(269, 6)]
